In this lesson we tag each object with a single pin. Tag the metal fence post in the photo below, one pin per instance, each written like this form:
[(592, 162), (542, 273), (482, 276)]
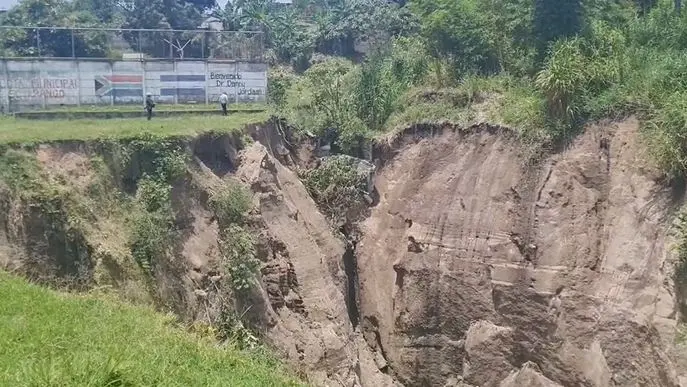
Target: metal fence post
[(73, 45), (140, 39), (38, 41)]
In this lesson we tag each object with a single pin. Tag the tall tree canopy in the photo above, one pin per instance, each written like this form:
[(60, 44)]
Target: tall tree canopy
[(555, 19), (48, 13)]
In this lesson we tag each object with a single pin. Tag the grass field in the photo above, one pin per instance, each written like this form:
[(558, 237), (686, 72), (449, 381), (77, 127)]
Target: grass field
[(13, 130), (54, 339)]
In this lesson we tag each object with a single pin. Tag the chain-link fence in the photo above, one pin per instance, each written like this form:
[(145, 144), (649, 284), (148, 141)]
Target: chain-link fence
[(129, 44)]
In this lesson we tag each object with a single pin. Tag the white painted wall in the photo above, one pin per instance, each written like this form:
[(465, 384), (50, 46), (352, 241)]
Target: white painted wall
[(29, 84)]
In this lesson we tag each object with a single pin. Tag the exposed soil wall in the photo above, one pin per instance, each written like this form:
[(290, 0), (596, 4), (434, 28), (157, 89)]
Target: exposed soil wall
[(476, 264), (474, 267)]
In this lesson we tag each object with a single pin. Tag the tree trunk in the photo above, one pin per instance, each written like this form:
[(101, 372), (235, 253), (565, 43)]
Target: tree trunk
[(678, 6)]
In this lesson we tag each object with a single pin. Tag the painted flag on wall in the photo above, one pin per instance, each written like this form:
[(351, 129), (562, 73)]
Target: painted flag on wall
[(185, 87), (119, 86)]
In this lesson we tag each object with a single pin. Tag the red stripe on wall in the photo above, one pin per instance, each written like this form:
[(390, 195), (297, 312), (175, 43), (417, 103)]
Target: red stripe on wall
[(125, 78)]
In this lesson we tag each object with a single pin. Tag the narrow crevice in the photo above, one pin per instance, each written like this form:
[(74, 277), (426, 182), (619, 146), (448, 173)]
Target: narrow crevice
[(352, 285)]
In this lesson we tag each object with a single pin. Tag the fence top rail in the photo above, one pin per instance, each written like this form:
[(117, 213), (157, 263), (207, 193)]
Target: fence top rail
[(129, 30), (96, 59)]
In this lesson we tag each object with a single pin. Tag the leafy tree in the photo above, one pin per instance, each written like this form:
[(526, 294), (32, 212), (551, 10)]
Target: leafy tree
[(555, 19), (50, 42), (457, 30), (290, 39), (331, 27), (340, 24), (107, 11), (164, 14), (203, 4)]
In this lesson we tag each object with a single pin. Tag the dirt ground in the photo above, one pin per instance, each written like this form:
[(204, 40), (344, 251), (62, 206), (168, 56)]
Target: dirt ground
[(475, 268)]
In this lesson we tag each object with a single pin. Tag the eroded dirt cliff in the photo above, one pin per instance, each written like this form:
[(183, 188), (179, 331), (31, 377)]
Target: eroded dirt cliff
[(480, 269), (298, 301), (474, 268)]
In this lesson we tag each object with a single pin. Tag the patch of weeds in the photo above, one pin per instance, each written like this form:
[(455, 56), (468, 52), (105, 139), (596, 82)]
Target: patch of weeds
[(338, 186), (237, 246), (152, 233), (426, 105), (163, 159), (102, 187), (153, 227), (664, 132), (153, 164), (231, 204), (232, 329), (154, 195), (20, 171), (55, 213)]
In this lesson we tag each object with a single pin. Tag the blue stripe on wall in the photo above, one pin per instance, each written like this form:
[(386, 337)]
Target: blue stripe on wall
[(182, 78), (194, 92)]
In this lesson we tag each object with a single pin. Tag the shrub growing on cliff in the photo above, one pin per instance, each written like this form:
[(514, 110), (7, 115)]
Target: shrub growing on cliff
[(338, 186), (153, 228), (160, 158), (231, 204), (237, 246), (154, 164)]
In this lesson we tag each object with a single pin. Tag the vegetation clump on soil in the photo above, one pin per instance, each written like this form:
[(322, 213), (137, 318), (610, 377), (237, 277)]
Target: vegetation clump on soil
[(49, 338), (231, 204), (338, 186)]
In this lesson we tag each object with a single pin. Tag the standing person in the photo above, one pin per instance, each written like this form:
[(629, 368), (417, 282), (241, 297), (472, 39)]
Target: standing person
[(150, 104), (223, 100)]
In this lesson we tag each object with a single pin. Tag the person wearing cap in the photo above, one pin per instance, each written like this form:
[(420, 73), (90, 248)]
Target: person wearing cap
[(150, 104)]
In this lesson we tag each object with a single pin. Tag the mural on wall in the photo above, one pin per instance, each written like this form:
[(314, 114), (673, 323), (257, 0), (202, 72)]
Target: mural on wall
[(27, 84), (119, 85), (185, 87)]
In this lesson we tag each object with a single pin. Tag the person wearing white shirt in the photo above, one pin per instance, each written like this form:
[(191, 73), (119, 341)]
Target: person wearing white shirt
[(223, 100)]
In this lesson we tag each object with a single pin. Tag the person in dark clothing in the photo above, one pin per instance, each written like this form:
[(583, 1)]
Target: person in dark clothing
[(150, 104)]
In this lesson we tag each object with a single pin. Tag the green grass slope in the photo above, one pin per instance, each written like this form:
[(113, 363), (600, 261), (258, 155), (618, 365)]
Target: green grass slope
[(54, 339), (13, 130)]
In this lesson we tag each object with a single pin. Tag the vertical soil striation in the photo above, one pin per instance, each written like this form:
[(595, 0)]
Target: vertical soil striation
[(478, 269)]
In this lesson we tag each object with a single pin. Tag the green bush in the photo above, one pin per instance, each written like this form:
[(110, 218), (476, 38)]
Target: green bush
[(278, 83), (563, 79), (357, 101), (154, 195), (152, 223), (232, 329), (459, 31), (231, 203), (163, 159), (152, 235), (237, 246), (337, 185)]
